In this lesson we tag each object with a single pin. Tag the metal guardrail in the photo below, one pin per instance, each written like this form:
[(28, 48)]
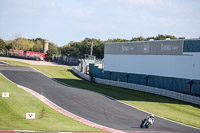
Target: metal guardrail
[(82, 75), (153, 90)]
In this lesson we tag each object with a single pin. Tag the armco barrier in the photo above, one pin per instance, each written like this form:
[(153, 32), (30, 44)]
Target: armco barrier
[(82, 75), (153, 90), (158, 91), (168, 83)]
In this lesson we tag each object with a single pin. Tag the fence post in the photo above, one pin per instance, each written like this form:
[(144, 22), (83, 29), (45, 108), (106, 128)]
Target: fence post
[(190, 82), (110, 75), (146, 79), (127, 76)]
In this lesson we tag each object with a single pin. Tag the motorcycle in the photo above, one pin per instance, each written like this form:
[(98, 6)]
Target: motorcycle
[(145, 124)]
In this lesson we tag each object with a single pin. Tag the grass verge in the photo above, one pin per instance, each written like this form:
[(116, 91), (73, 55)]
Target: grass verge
[(13, 113), (15, 63), (162, 106)]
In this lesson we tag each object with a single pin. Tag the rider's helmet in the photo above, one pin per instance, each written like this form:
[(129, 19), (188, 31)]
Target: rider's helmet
[(152, 116)]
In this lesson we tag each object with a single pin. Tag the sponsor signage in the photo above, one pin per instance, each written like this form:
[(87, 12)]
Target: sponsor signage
[(30, 115), (5, 94), (161, 47)]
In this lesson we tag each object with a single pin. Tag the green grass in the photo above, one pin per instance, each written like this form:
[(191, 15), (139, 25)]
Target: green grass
[(15, 63), (13, 113), (162, 106)]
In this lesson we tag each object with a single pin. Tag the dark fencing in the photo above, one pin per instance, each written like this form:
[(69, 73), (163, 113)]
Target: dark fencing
[(191, 46), (170, 83), (138, 79), (66, 60), (196, 87), (185, 86)]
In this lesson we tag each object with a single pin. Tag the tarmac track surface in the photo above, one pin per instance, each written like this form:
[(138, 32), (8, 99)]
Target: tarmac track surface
[(90, 105)]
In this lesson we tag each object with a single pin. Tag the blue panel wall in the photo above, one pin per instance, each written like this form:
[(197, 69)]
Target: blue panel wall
[(169, 83), (196, 87), (191, 46), (137, 79), (106, 75), (118, 76), (92, 70)]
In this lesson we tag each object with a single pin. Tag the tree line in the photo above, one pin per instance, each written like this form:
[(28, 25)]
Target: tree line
[(79, 49), (25, 44), (75, 49)]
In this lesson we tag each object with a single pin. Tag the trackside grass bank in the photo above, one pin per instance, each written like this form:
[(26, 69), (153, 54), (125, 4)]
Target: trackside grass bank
[(162, 106), (13, 113)]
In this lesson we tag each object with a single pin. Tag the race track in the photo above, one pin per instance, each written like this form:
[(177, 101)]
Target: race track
[(89, 105)]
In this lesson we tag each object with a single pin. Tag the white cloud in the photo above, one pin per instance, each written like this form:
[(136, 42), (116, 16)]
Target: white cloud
[(78, 13), (149, 3), (51, 5), (89, 27), (167, 22)]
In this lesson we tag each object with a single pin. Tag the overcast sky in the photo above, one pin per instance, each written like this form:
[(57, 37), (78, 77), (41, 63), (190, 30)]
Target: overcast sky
[(61, 21)]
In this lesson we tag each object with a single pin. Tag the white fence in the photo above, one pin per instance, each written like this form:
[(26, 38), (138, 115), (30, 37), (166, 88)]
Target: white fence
[(158, 91), (82, 75)]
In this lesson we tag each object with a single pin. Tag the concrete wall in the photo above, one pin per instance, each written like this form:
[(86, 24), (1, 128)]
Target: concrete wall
[(179, 66), (169, 83), (153, 90), (82, 75)]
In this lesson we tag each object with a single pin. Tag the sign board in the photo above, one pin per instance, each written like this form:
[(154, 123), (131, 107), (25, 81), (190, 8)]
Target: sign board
[(160, 47), (30, 115), (5, 94)]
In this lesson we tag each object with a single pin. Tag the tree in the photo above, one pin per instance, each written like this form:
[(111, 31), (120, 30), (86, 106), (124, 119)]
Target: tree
[(72, 49), (50, 53), (140, 38), (79, 49), (22, 44), (2, 45), (161, 37), (9, 44), (99, 50), (53, 47), (117, 40), (38, 46)]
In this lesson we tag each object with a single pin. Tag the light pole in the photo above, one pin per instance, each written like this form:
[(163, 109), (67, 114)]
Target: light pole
[(91, 49)]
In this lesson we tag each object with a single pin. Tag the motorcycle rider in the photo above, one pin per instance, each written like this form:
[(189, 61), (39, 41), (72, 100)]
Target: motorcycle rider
[(150, 119)]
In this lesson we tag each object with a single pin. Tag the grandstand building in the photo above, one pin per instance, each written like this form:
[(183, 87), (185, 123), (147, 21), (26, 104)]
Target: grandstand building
[(168, 58), (168, 64)]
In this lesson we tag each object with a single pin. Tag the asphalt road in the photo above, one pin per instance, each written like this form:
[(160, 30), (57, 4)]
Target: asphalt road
[(90, 105)]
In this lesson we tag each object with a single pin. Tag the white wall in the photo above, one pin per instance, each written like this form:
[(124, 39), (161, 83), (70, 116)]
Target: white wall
[(181, 66), (158, 91), (82, 75)]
